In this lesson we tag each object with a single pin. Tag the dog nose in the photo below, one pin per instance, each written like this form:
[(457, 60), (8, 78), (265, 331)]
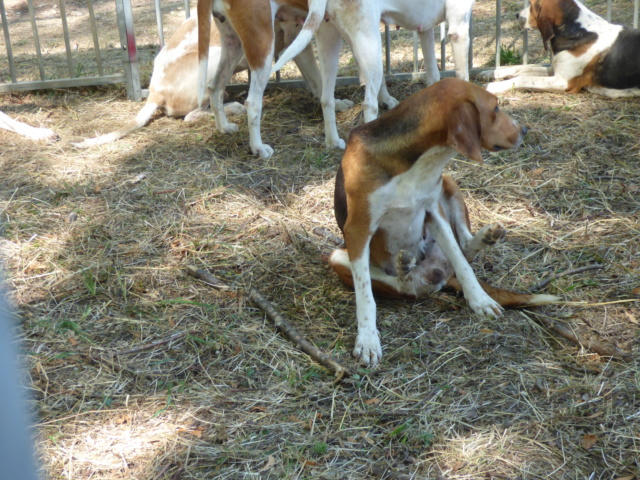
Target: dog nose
[(437, 276), (518, 16), (524, 130)]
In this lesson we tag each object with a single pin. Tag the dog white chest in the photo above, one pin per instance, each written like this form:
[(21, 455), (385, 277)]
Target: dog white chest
[(399, 206)]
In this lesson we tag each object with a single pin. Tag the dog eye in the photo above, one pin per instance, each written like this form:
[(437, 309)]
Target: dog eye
[(497, 109)]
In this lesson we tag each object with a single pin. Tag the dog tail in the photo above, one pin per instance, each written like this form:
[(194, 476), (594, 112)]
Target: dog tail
[(317, 9), (143, 117), (204, 37), (507, 298)]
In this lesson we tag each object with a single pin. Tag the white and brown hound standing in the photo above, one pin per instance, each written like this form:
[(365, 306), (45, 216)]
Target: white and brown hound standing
[(247, 25), (174, 83)]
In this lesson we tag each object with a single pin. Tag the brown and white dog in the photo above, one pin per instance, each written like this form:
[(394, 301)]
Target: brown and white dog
[(247, 25), (174, 81), (405, 225), (588, 53), (34, 133)]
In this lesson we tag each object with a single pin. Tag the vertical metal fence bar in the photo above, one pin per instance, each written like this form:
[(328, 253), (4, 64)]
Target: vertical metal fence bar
[(443, 48), (471, 43), (7, 42), (67, 42), (608, 10), (187, 9), (635, 14), (130, 52), (36, 38), (525, 41), (415, 53), (94, 33), (387, 50), (498, 31), (159, 22)]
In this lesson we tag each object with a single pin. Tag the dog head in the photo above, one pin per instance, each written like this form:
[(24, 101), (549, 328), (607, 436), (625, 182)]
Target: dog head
[(545, 15), (475, 122)]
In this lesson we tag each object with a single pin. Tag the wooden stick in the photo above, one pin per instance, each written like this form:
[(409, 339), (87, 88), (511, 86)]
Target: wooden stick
[(594, 346), (323, 232), (108, 358), (543, 283), (150, 345), (280, 322)]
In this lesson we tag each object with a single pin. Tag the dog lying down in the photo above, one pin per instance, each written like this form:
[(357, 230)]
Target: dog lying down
[(405, 224), (174, 83)]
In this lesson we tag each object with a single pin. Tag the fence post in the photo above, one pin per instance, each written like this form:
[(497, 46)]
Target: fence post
[(498, 31), (130, 52)]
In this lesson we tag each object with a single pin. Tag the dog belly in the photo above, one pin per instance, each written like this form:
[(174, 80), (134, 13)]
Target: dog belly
[(403, 230), (413, 15)]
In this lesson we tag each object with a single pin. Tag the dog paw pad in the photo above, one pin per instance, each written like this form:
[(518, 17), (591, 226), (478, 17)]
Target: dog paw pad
[(494, 234)]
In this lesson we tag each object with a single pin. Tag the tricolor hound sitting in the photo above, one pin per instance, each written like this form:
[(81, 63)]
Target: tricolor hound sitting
[(247, 25), (588, 52), (405, 225), (174, 82)]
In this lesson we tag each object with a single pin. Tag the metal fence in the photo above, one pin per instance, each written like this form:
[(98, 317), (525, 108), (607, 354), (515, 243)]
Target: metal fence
[(30, 64), (86, 66)]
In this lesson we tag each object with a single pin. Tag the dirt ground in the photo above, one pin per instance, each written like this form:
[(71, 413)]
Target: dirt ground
[(140, 371)]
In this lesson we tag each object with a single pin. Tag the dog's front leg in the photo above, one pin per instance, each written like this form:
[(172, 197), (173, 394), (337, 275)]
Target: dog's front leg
[(504, 73), (230, 55), (478, 300), (368, 348), (543, 84), (427, 42), (459, 19), (329, 44), (357, 238)]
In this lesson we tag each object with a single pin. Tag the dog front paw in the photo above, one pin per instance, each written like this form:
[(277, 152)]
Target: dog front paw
[(493, 234), (486, 307), (228, 128), (405, 262), (368, 349), (390, 103), (342, 105), (499, 87), (263, 151), (336, 143), (234, 108), (486, 76)]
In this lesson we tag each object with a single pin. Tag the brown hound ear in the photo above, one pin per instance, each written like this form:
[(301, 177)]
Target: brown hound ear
[(464, 131), (545, 25)]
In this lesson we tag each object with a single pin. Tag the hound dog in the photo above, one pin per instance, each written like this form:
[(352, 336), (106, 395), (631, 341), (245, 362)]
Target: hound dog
[(247, 25), (173, 85), (588, 53), (21, 128), (405, 225)]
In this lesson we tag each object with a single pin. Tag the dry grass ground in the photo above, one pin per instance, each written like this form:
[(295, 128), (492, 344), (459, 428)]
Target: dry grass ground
[(138, 370)]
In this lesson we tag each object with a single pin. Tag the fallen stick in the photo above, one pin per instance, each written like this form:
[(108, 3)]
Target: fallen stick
[(543, 283), (323, 232), (150, 345), (592, 345), (108, 357), (288, 330)]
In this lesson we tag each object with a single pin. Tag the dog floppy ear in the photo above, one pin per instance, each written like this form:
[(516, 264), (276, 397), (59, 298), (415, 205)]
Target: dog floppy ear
[(546, 30), (464, 131), (545, 18)]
